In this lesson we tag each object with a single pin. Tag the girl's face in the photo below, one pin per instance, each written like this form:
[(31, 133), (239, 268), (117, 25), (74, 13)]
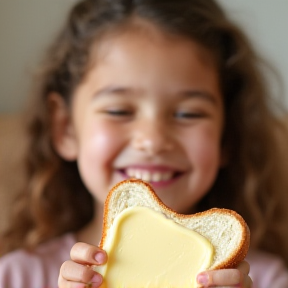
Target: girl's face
[(150, 108)]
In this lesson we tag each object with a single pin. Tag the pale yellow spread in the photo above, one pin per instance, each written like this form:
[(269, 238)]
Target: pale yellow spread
[(148, 250)]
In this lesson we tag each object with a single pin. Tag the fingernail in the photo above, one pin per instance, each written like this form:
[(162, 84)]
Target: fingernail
[(97, 279), (203, 279), (100, 258)]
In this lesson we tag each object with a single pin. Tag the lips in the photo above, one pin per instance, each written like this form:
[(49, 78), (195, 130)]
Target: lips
[(151, 174)]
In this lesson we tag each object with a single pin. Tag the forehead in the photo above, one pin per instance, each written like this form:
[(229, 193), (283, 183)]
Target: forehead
[(146, 58), (140, 34)]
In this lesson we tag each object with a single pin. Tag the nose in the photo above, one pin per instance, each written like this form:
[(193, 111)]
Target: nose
[(152, 138)]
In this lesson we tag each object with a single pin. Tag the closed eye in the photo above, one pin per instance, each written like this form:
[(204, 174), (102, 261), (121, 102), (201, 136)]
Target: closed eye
[(118, 112), (188, 115)]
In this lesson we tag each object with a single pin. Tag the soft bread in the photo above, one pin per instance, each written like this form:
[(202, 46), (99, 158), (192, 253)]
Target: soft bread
[(224, 229)]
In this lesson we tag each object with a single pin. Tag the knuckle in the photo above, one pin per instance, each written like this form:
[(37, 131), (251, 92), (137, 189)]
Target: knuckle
[(248, 282), (244, 267), (86, 274), (64, 267), (89, 253), (236, 276), (226, 277), (82, 276), (61, 282), (74, 250), (84, 253)]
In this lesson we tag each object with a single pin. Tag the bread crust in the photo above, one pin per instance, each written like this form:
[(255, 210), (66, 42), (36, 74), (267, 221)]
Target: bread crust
[(232, 261)]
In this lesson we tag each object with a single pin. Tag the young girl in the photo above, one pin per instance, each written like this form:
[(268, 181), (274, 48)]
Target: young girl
[(168, 91)]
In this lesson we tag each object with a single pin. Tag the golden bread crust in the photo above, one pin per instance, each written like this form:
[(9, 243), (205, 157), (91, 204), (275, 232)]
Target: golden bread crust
[(232, 260)]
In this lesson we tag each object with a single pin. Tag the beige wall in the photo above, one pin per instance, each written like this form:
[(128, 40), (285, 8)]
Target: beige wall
[(26, 27), (266, 24)]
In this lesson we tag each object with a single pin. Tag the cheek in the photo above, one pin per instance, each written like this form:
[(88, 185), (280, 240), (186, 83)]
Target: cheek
[(204, 148), (98, 146), (102, 143)]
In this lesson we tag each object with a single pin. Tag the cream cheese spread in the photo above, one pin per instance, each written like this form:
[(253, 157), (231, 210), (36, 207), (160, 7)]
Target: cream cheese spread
[(147, 250)]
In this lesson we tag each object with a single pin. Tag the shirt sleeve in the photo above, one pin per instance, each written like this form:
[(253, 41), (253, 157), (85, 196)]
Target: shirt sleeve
[(38, 269), (267, 270), (20, 269)]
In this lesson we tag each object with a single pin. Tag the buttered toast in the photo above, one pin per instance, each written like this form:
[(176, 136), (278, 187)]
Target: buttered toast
[(150, 245)]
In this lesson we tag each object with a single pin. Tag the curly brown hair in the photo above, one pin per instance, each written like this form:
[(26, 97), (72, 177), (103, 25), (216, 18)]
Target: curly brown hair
[(54, 199)]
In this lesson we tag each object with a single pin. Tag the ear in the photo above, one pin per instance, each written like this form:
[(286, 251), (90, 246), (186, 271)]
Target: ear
[(62, 129)]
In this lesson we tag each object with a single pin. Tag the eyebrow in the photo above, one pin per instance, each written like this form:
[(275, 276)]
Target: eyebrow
[(201, 94), (118, 90)]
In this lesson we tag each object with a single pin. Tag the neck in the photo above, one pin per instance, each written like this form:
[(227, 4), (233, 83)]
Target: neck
[(92, 232)]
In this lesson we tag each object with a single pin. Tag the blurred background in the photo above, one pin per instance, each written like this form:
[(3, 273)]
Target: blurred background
[(26, 28)]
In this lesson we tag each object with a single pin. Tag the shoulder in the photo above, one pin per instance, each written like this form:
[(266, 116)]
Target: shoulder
[(267, 270), (39, 268)]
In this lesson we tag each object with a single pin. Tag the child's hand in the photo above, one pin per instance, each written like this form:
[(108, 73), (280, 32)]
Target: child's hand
[(227, 278), (77, 272)]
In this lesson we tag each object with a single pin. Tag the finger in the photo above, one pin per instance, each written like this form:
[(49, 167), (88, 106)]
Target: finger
[(88, 254), (247, 282), (71, 271), (224, 277), (244, 267), (62, 283)]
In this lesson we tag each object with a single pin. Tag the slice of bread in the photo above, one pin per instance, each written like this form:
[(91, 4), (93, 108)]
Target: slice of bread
[(224, 229)]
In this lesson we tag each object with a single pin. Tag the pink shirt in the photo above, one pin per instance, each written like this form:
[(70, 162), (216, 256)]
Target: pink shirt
[(21, 269)]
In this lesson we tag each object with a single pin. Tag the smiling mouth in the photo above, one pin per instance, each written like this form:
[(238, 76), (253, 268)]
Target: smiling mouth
[(156, 176)]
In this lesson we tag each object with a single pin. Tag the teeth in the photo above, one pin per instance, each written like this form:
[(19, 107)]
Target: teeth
[(156, 177), (149, 176), (146, 176), (138, 174)]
